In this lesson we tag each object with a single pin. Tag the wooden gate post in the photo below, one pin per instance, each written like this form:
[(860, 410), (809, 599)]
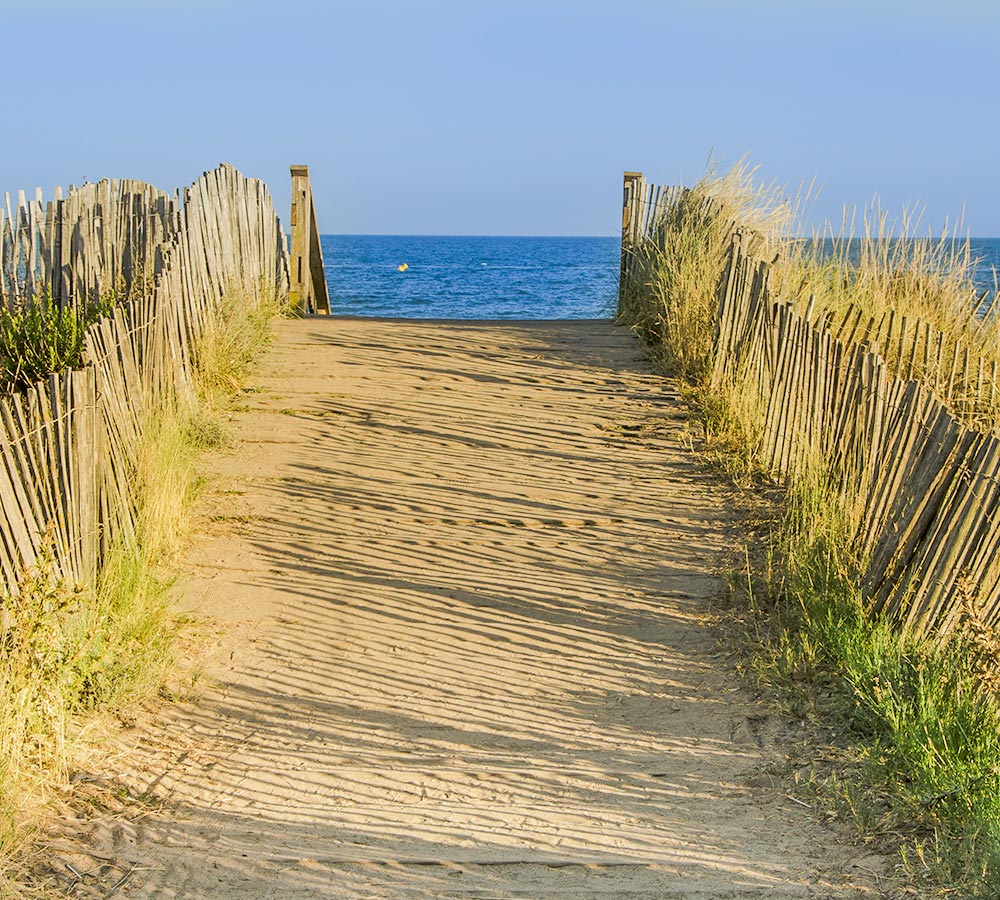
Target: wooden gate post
[(307, 291), (632, 181)]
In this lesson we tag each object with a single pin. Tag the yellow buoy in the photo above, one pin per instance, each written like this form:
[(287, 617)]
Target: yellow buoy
[(402, 268)]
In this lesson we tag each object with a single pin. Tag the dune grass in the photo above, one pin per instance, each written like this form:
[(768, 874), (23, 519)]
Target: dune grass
[(917, 723), (72, 656), (912, 297), (673, 302), (76, 656)]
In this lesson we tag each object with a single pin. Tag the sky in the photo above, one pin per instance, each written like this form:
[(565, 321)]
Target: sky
[(511, 116)]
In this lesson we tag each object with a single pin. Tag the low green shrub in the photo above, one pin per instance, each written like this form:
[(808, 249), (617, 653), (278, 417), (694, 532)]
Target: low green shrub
[(41, 337)]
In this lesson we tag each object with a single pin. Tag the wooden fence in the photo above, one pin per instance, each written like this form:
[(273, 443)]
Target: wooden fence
[(68, 445), (100, 239), (923, 481)]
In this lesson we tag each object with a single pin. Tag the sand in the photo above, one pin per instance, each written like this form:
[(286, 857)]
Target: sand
[(460, 577)]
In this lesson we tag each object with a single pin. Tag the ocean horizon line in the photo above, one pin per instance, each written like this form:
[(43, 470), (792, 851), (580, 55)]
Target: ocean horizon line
[(387, 234), (602, 237)]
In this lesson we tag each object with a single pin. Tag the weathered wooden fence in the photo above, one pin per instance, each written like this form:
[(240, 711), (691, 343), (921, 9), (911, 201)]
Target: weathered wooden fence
[(904, 450), (89, 244), (68, 445)]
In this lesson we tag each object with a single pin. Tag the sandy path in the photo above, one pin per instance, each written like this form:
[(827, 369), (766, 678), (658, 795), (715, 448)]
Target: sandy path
[(463, 568)]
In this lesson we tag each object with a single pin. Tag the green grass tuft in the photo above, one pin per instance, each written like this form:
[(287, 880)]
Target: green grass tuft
[(923, 722)]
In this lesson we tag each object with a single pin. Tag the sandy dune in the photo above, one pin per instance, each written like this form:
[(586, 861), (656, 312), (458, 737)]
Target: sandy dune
[(463, 570)]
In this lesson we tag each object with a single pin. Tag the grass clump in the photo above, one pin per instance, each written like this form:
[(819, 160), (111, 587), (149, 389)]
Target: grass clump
[(911, 296), (66, 650), (74, 656), (73, 659), (228, 348), (671, 300), (917, 722)]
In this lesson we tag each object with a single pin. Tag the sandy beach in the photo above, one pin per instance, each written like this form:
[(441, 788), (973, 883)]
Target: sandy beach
[(458, 580)]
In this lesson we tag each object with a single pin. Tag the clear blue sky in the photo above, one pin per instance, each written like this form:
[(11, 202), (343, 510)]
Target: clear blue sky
[(504, 116)]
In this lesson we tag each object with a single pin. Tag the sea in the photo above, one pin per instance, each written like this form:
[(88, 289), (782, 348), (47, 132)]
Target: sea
[(986, 251), (479, 277), (472, 277)]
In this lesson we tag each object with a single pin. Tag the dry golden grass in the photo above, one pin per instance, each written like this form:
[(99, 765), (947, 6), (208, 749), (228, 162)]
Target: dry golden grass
[(73, 656), (672, 302), (910, 295)]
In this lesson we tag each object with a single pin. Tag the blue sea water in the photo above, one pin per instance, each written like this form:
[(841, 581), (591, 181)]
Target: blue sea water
[(987, 253), (472, 277), (497, 277)]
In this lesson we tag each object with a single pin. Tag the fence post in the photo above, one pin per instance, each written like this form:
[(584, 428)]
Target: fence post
[(308, 292), (631, 183)]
